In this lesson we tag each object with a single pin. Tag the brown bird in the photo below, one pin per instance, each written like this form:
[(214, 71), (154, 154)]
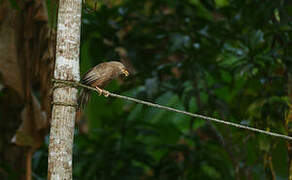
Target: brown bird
[(99, 76)]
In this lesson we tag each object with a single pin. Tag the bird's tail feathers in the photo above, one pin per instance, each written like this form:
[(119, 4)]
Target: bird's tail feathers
[(83, 99)]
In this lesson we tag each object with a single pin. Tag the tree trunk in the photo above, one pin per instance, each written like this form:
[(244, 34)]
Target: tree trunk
[(65, 97)]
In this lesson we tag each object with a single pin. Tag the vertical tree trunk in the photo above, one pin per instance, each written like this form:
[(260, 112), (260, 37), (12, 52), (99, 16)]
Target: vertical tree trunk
[(64, 98)]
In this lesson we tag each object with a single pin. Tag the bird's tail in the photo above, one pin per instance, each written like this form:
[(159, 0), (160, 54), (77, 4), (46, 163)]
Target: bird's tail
[(83, 98)]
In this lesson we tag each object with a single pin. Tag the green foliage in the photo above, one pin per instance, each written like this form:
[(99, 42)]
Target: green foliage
[(14, 4), (224, 58)]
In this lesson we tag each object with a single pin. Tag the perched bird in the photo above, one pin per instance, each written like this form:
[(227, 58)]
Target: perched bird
[(99, 76)]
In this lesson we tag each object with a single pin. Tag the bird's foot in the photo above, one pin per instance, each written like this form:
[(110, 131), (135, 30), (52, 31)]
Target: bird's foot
[(102, 91), (105, 93), (99, 90)]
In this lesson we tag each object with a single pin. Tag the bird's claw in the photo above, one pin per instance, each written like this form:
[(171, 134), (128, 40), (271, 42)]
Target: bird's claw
[(105, 93), (102, 91), (98, 90)]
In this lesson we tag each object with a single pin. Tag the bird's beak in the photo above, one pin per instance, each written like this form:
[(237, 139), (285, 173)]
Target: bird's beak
[(125, 72)]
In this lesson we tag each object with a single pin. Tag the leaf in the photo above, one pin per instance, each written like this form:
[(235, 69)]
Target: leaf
[(30, 132), (254, 109), (9, 66), (221, 3)]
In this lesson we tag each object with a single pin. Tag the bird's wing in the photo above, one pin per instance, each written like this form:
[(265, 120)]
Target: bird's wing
[(96, 75)]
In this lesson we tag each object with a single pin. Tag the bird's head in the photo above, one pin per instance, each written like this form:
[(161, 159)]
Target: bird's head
[(122, 69)]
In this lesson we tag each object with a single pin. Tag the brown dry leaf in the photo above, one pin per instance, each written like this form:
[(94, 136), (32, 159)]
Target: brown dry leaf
[(19, 73), (26, 61), (30, 126), (3, 11), (42, 14), (9, 68)]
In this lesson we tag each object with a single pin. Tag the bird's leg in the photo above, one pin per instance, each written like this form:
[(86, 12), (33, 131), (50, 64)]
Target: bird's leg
[(105, 93), (102, 91), (99, 90)]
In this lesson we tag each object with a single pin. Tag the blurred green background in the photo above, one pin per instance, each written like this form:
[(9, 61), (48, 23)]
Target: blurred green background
[(228, 59)]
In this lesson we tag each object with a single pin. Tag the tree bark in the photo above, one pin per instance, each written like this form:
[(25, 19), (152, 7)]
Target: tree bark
[(65, 97)]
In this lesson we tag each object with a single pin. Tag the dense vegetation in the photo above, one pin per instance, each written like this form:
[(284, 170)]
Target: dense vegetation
[(229, 59)]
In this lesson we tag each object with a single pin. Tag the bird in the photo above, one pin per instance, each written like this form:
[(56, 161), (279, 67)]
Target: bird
[(98, 77)]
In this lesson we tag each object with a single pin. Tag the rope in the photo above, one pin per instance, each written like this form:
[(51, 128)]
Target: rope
[(65, 104), (220, 121)]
